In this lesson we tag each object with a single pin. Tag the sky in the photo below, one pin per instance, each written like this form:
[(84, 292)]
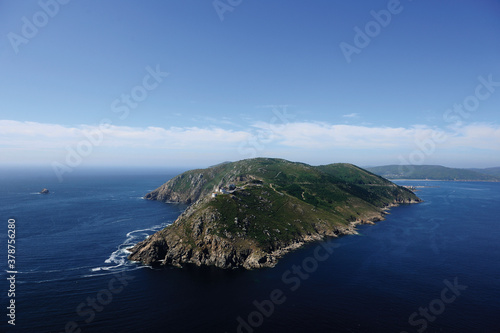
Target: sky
[(185, 83)]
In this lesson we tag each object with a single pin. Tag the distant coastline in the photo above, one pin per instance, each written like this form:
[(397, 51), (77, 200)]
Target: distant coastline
[(443, 180), (435, 173)]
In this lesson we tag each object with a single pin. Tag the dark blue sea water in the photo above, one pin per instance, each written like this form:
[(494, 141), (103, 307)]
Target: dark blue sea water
[(431, 267)]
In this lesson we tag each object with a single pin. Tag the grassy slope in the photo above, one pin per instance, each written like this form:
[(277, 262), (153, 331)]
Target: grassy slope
[(281, 200)]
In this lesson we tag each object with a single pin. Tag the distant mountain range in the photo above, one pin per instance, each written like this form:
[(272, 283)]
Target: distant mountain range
[(436, 172)]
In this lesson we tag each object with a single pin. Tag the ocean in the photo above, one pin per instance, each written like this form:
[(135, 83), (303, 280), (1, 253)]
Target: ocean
[(429, 267)]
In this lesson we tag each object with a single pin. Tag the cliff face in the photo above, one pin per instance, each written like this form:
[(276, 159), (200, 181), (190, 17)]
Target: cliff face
[(274, 206), (207, 234), (199, 246), (192, 184)]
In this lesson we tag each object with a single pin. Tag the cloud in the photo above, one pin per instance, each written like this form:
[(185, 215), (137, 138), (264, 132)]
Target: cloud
[(478, 135), (351, 115), (322, 135), (23, 141), (31, 135)]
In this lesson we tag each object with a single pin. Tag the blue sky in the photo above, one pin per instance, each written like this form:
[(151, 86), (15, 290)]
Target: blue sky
[(194, 83)]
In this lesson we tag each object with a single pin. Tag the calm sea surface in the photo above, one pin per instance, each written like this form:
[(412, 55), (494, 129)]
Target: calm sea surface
[(431, 267)]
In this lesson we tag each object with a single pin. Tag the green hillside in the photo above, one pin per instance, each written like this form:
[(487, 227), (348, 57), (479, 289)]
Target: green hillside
[(495, 172), (266, 208), (431, 172)]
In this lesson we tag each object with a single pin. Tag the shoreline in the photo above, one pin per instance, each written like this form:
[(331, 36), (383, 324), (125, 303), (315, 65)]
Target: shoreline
[(339, 231), (443, 180), (295, 244), (203, 235)]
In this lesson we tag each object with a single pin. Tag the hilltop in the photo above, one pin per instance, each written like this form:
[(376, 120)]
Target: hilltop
[(435, 172), (251, 212)]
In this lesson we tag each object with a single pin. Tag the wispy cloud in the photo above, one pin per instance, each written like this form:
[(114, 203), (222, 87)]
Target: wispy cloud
[(351, 115), (322, 135), (32, 138), (478, 135), (309, 135), (31, 135)]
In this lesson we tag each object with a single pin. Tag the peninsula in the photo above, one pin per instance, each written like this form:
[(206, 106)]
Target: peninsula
[(250, 213)]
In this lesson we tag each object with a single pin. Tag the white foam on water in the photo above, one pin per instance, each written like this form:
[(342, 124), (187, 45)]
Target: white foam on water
[(50, 280), (122, 220), (109, 271), (119, 257), (35, 271)]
